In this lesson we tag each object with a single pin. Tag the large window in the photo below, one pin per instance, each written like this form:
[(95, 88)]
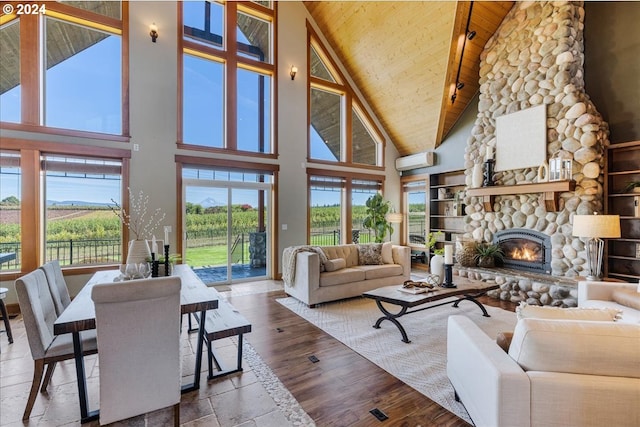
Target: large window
[(337, 207), (55, 204), (10, 183), (415, 205), (80, 225), (10, 88), (82, 82), (83, 87), (227, 76), (339, 128)]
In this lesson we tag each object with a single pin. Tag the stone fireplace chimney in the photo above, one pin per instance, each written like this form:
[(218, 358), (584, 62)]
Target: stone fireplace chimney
[(536, 57)]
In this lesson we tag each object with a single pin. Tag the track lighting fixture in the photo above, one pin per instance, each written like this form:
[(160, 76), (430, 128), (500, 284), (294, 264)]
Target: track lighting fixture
[(468, 36)]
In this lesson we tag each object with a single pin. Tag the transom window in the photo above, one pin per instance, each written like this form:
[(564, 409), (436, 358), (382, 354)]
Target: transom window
[(227, 76)]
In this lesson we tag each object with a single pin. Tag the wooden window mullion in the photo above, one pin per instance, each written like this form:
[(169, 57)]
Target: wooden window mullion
[(30, 69), (231, 76), (30, 210)]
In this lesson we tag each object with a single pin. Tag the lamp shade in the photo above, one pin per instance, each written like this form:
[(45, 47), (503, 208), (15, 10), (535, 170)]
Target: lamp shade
[(394, 217), (600, 226)]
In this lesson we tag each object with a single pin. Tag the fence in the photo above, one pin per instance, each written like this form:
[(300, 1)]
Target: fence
[(71, 252)]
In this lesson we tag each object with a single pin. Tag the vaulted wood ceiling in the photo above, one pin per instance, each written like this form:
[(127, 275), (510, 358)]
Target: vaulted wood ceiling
[(404, 56)]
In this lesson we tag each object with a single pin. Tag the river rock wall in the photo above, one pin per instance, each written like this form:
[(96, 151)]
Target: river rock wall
[(536, 57)]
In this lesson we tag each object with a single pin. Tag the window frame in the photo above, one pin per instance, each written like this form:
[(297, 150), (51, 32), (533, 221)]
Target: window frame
[(31, 42), (346, 206), (32, 213), (405, 181), (350, 102), (232, 61)]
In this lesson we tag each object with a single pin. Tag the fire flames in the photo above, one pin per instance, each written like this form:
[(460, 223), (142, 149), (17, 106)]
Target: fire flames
[(523, 254)]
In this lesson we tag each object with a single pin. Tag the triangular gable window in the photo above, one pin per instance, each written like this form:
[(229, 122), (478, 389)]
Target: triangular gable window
[(318, 68)]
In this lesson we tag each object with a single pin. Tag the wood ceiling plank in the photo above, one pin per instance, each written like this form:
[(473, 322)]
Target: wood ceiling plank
[(403, 57)]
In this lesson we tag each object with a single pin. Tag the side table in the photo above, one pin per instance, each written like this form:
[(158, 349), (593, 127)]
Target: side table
[(5, 316)]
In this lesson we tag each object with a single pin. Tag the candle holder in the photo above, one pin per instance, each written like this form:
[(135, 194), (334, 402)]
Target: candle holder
[(166, 261), (155, 264), (448, 277), (488, 173)]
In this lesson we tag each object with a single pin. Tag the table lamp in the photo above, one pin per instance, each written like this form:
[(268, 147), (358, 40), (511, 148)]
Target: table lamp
[(596, 227)]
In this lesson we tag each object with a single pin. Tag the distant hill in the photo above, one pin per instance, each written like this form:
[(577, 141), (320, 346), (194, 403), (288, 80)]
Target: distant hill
[(77, 203), (210, 202)]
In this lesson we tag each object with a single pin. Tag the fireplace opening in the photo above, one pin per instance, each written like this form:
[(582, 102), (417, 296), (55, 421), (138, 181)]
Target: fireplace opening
[(525, 249)]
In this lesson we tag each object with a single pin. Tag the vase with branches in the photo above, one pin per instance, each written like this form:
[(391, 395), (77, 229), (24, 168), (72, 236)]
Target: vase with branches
[(140, 223)]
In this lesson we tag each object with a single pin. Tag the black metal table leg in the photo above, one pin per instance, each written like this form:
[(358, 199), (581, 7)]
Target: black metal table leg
[(393, 318), (473, 299), (196, 375), (5, 318), (85, 415)]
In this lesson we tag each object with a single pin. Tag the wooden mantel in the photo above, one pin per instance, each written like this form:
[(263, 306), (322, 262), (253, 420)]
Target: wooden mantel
[(550, 192)]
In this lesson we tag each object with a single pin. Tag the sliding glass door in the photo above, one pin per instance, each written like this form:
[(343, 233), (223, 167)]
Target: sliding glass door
[(227, 229)]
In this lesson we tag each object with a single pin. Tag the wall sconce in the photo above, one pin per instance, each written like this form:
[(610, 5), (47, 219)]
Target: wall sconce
[(293, 72), (153, 32)]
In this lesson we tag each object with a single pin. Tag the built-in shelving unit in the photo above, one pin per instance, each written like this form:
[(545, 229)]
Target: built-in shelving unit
[(622, 259), (446, 211)]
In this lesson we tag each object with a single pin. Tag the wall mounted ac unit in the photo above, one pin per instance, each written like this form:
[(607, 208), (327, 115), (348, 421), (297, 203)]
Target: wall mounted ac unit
[(416, 161)]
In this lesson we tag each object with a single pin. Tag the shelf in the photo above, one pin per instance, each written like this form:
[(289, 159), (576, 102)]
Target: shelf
[(629, 172), (626, 258), (447, 216), (621, 165), (550, 192), (433, 187), (443, 200)]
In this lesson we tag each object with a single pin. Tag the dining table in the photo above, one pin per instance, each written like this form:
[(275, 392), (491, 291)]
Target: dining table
[(80, 315)]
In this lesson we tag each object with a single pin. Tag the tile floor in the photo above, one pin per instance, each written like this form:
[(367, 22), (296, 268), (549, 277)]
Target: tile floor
[(245, 399)]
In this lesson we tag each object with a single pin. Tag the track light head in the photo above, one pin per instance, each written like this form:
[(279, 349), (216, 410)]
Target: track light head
[(459, 85), (471, 35)]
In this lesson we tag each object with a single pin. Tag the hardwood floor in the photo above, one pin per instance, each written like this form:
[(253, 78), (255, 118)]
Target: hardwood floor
[(343, 386)]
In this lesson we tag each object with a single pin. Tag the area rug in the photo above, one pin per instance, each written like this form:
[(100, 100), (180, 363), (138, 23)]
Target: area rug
[(421, 363)]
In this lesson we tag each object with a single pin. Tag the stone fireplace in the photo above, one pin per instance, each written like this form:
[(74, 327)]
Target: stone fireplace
[(536, 57), (524, 249)]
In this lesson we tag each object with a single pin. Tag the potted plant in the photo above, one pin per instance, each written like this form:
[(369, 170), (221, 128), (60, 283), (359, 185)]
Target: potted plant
[(487, 253), (377, 209), (632, 187)]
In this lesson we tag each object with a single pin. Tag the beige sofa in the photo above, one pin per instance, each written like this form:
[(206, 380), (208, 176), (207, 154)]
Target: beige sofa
[(620, 296), (556, 373), (312, 286)]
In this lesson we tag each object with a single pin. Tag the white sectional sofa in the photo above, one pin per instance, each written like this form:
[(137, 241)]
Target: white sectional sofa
[(559, 373), (350, 277), (620, 296)]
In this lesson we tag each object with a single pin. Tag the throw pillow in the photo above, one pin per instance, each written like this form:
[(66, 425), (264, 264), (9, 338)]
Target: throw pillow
[(526, 311), (387, 253), (335, 264), (627, 297), (370, 254), (323, 257)]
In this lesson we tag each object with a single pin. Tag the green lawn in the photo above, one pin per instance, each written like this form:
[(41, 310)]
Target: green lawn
[(210, 255)]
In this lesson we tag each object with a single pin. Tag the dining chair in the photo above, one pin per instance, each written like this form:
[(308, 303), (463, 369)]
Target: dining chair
[(38, 312), (138, 324), (57, 285)]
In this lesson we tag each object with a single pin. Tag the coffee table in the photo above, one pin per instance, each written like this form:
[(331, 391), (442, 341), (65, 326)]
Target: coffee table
[(466, 290)]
